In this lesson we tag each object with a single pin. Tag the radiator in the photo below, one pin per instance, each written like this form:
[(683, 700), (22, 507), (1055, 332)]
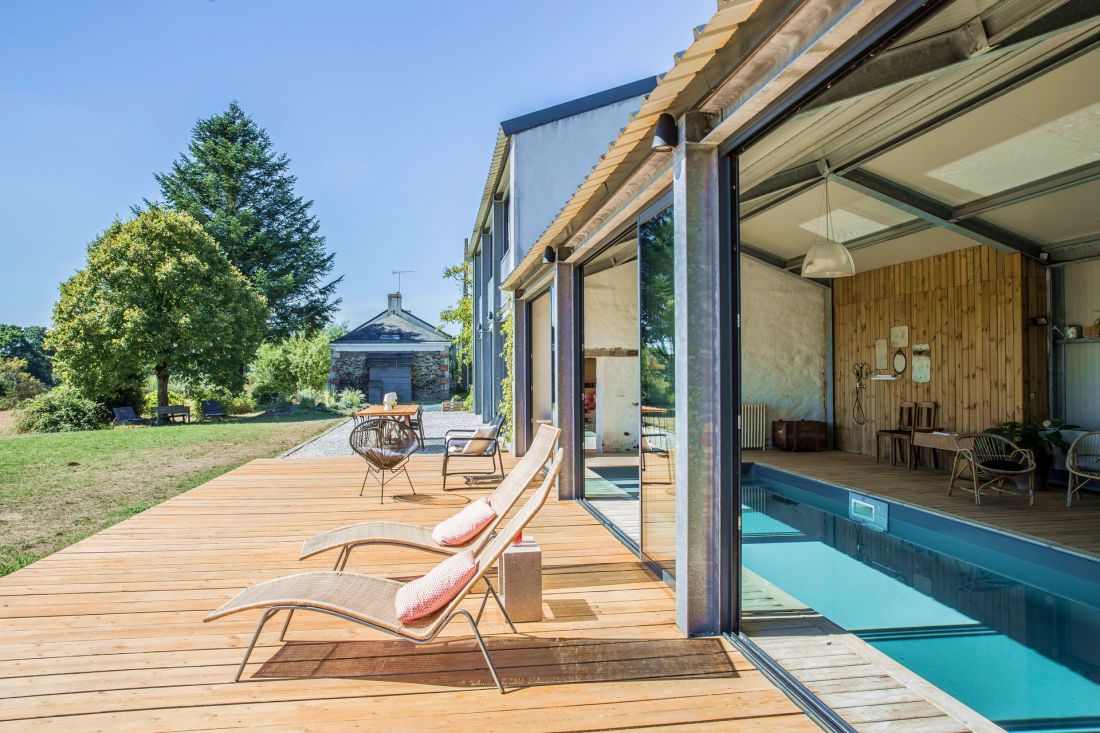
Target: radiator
[(754, 425)]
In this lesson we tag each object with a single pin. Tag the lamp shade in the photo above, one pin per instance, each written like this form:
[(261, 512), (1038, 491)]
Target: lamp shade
[(828, 259), (665, 134)]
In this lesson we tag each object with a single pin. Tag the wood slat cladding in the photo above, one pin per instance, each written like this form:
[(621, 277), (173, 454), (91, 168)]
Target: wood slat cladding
[(972, 307)]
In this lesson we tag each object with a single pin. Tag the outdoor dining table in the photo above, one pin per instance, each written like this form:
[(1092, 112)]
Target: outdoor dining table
[(398, 412)]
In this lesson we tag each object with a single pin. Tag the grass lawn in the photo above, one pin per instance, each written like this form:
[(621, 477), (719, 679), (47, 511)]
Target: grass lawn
[(56, 489)]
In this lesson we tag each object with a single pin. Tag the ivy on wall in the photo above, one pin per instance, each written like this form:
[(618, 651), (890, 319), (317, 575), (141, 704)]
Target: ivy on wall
[(507, 383)]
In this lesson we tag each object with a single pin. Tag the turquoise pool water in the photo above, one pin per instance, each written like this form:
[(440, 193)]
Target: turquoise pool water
[(1024, 655)]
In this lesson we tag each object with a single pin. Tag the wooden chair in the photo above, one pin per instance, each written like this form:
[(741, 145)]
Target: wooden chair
[(993, 463), (902, 435), (1083, 463), (925, 423)]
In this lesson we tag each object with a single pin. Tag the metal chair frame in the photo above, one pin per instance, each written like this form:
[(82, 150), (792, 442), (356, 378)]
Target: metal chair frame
[(968, 458), (402, 466), (474, 621), (492, 452)]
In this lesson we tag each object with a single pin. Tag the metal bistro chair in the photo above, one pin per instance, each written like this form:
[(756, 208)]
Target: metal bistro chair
[(386, 445), (994, 463), (477, 444), (1083, 463), (416, 422)]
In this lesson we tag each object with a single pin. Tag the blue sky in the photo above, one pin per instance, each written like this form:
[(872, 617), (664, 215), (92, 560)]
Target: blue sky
[(388, 111)]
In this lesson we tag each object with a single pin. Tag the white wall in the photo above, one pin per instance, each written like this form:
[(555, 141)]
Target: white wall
[(1082, 286), (549, 162), (617, 380), (611, 308), (541, 368), (1082, 360), (783, 342)]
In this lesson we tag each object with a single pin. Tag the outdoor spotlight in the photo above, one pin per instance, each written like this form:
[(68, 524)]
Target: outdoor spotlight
[(665, 134), (549, 256)]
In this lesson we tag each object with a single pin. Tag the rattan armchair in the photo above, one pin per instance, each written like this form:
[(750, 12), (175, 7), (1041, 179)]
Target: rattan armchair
[(1083, 463), (386, 445), (985, 461)]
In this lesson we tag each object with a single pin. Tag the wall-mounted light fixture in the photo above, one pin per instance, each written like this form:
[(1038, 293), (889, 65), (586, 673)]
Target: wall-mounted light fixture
[(665, 134), (549, 256)]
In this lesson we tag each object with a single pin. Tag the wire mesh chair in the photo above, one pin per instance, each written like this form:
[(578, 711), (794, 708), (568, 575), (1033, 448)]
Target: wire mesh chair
[(1083, 463), (990, 462), (386, 445)]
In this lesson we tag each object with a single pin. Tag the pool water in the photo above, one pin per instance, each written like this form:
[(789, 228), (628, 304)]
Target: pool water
[(997, 623)]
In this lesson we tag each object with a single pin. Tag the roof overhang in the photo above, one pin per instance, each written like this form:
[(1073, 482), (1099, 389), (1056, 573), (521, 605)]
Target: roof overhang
[(394, 347)]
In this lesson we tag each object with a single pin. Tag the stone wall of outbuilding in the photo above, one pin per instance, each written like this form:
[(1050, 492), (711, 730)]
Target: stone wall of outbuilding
[(429, 373), (431, 376)]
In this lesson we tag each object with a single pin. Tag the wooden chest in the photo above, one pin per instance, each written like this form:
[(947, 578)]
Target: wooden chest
[(799, 435)]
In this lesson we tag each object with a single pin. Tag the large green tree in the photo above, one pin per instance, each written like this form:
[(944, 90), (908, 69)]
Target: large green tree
[(27, 343), (157, 295), (233, 182), (461, 314)]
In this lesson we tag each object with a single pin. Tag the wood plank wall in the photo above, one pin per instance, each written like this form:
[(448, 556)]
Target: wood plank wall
[(972, 307)]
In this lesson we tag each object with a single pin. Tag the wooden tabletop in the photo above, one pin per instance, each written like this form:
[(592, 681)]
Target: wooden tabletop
[(398, 411)]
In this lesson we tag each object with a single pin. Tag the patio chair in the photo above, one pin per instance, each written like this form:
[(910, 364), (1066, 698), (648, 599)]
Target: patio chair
[(416, 422), (1083, 463), (369, 600), (994, 463), (386, 445), (126, 416), (212, 410), (478, 445), (415, 536)]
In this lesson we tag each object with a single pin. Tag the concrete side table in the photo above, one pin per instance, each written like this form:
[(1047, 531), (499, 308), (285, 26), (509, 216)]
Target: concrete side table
[(521, 580)]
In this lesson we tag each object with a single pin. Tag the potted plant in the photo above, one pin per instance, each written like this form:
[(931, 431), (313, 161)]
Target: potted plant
[(1041, 437)]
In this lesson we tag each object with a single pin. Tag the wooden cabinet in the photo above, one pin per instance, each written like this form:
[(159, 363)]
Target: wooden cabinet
[(799, 435)]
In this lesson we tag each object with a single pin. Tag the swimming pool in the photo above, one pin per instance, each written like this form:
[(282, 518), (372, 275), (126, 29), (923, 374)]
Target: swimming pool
[(1007, 626)]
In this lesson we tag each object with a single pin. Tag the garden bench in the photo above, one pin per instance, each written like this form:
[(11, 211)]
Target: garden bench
[(174, 413)]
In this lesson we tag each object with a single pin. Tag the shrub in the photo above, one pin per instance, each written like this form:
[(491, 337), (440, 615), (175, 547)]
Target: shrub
[(349, 400), (239, 405), (17, 385), (61, 410)]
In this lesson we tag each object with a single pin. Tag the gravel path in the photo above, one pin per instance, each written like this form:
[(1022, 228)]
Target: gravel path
[(436, 424)]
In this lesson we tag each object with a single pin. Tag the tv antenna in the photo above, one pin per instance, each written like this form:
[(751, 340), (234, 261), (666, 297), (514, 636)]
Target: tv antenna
[(399, 273)]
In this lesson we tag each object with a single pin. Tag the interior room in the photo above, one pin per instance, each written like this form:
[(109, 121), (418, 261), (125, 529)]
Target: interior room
[(920, 268)]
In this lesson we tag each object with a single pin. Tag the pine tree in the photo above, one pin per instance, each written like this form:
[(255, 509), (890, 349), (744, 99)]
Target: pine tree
[(235, 185)]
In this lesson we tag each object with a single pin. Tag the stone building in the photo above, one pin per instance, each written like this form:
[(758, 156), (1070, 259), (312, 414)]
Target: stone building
[(394, 352)]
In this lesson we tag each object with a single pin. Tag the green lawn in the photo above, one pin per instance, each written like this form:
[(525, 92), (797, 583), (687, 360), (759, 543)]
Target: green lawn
[(59, 488)]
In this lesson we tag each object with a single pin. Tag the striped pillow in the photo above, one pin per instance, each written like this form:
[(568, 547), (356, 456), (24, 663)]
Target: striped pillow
[(426, 595)]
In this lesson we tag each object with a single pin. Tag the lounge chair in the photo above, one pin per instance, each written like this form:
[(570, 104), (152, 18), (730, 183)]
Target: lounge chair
[(992, 463), (212, 410), (474, 444), (1083, 463), (126, 416), (415, 536), (370, 600), (386, 445)]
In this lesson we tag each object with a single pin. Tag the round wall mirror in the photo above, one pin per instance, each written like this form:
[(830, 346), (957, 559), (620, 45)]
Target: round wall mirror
[(899, 361)]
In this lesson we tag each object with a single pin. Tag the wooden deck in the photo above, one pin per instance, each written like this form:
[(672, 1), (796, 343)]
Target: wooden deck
[(1075, 528), (107, 634)]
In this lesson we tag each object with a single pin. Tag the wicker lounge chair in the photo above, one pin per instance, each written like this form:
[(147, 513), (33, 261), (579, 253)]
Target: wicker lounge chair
[(457, 444), (386, 445), (369, 599), (1083, 463), (992, 463), (415, 536)]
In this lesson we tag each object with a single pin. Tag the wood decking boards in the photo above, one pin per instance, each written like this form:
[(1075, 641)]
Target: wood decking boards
[(1075, 527), (107, 634)]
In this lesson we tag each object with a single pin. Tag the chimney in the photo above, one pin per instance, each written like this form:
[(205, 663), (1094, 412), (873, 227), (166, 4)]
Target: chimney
[(395, 302)]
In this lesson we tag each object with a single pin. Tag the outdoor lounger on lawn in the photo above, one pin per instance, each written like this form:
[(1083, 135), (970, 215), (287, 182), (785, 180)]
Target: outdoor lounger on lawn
[(502, 500), (372, 600)]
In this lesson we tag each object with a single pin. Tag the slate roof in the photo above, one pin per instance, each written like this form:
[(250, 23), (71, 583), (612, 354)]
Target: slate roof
[(394, 327)]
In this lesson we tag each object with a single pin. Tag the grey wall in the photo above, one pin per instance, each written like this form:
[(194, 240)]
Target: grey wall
[(549, 162)]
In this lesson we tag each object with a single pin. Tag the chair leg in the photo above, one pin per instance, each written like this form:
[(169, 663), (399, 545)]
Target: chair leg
[(500, 604), (252, 644), (341, 557), (484, 650), (286, 624), (1069, 489), (408, 478)]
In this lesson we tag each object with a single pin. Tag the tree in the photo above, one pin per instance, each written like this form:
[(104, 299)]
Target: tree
[(301, 362), (157, 295), (16, 383), (462, 315), (235, 185), (27, 344)]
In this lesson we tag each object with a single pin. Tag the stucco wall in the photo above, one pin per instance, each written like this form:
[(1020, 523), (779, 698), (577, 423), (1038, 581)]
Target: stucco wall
[(611, 308), (783, 344), (550, 161)]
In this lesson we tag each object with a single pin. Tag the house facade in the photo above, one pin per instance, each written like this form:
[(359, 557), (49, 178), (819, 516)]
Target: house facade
[(393, 352), (538, 161), (824, 218)]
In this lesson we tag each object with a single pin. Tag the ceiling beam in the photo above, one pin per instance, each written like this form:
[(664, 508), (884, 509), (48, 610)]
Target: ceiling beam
[(1073, 250), (935, 212), (763, 255)]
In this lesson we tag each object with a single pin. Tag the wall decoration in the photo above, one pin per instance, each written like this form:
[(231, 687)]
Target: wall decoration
[(882, 355), (900, 361), (922, 363), (899, 337)]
